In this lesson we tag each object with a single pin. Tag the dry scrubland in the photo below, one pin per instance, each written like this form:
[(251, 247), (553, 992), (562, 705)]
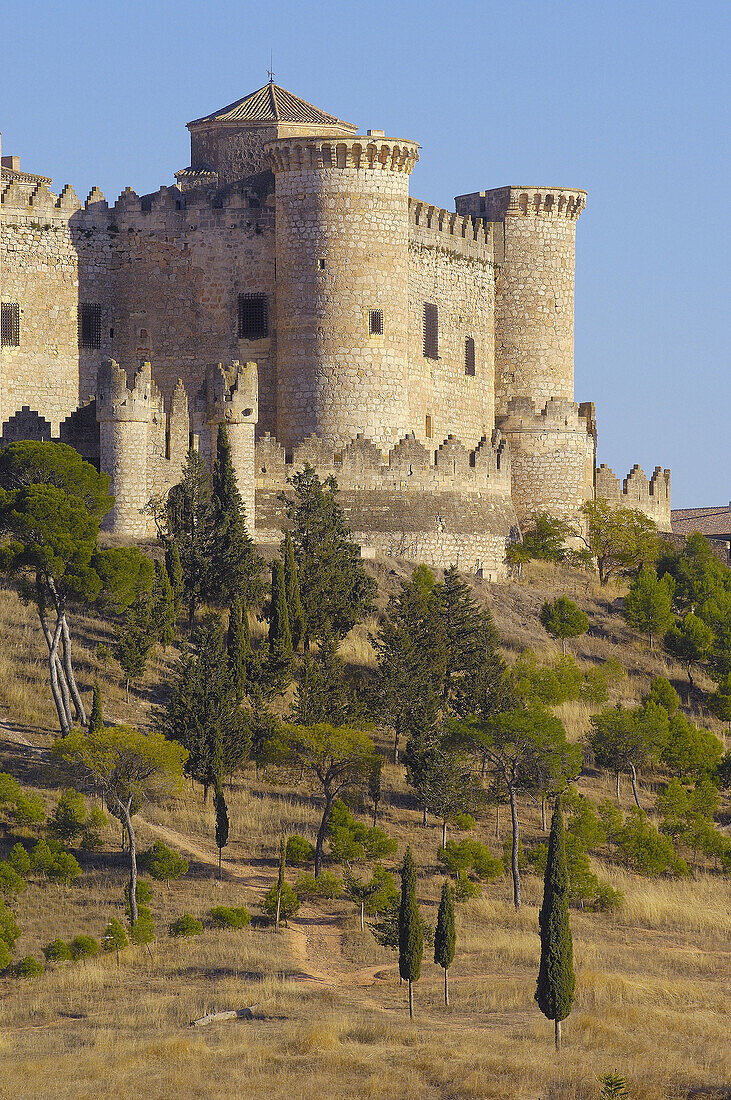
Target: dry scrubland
[(330, 1019)]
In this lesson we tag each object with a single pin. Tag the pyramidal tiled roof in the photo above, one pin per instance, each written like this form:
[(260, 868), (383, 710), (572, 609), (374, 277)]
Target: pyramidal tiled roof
[(273, 104)]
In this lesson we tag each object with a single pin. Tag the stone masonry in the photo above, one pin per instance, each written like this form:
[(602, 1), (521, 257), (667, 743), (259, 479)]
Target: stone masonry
[(289, 287)]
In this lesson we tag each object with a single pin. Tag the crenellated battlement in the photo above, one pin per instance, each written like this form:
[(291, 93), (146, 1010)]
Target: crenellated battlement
[(649, 495), (408, 466), (368, 152), (232, 393), (508, 202), (432, 226), (118, 401), (556, 415)]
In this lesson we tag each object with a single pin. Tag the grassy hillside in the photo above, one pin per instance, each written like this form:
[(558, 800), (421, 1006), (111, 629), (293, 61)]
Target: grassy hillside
[(330, 1017)]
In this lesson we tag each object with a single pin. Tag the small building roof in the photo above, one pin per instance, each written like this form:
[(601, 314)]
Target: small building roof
[(272, 104), (713, 522)]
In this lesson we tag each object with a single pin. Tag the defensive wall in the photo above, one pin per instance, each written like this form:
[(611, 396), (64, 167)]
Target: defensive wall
[(650, 495)]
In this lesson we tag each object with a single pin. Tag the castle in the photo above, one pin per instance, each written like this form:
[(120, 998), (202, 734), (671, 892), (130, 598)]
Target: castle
[(290, 287)]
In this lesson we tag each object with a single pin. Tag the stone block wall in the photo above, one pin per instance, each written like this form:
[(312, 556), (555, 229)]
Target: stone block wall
[(651, 496)]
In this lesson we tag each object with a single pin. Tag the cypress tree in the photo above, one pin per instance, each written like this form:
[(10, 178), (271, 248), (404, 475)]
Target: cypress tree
[(410, 929), (175, 573), (292, 586), (188, 512), (219, 803), (238, 645), (280, 636), (235, 567), (162, 607), (96, 719), (445, 936), (470, 640), (556, 979)]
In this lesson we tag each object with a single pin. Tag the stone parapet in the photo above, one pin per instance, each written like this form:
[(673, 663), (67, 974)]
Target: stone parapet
[(431, 226), (507, 202), (648, 495), (381, 154)]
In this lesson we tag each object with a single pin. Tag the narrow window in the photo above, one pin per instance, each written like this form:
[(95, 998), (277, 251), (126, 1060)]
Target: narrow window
[(482, 206), (90, 325), (253, 316), (428, 427), (10, 324), (375, 322), (431, 331), (469, 356), (321, 265)]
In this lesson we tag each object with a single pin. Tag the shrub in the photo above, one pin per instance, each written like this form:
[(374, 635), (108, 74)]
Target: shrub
[(5, 955), (115, 937), (187, 925), (10, 789), (469, 855), (595, 689), (466, 888), (64, 868), (29, 810), (84, 947), (465, 822), (19, 860), (351, 841), (143, 929), (57, 951), (162, 863), (41, 858), (96, 821), (28, 967), (607, 899), (299, 850), (289, 904), (646, 850), (225, 916), (328, 885), (68, 818)]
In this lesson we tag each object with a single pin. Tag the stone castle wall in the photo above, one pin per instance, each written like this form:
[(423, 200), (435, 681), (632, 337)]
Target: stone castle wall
[(650, 495)]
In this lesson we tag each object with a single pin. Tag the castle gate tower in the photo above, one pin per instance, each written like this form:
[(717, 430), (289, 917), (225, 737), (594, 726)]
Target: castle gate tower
[(342, 231)]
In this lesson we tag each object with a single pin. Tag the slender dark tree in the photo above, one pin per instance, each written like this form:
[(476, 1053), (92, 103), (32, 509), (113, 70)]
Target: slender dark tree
[(323, 692), (556, 979), (374, 785), (445, 936), (162, 607), (280, 635), (411, 929), (235, 567), (175, 573), (294, 602), (238, 645), (470, 641), (335, 590), (96, 719), (219, 803), (133, 640), (187, 517)]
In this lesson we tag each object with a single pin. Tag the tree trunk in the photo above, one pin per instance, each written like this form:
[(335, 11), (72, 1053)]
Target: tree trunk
[(543, 815), (563, 646), (557, 1033), (127, 818), (219, 864), (52, 640), (375, 814), (322, 833), (444, 833), (395, 746), (650, 636), (497, 821), (514, 852), (126, 688), (423, 816), (362, 915), (411, 999), (446, 988), (617, 786), (634, 786), (64, 689), (69, 672), (279, 908)]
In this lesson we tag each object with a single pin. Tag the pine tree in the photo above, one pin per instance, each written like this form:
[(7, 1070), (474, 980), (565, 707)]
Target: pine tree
[(133, 640), (235, 567), (175, 573), (648, 604), (470, 640), (294, 602), (323, 692), (219, 803), (162, 607), (238, 645), (561, 618), (411, 929), (96, 719), (445, 936), (556, 979)]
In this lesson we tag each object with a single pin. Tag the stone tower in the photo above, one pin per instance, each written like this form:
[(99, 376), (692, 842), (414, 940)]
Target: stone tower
[(342, 246), (232, 399), (124, 415)]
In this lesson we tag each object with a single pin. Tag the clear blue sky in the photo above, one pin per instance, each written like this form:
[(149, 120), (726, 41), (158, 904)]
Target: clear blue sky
[(628, 100)]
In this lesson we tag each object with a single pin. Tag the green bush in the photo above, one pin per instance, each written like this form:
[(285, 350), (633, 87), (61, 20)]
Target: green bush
[(470, 856), (57, 951), (5, 955), (9, 930), (187, 925), (465, 822), (10, 881), (299, 850), (29, 810), (19, 860), (328, 885), (28, 967), (162, 863), (465, 888), (607, 899), (96, 821), (226, 916), (10, 789), (647, 851), (289, 905), (115, 936), (64, 868), (68, 819), (352, 842), (84, 947), (143, 929)]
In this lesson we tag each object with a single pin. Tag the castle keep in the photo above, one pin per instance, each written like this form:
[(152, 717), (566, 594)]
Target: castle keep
[(289, 287)]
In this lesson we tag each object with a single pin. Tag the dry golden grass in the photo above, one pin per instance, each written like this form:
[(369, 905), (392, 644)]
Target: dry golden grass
[(330, 1019)]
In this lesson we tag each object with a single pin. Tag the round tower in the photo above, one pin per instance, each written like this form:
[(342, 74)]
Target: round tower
[(342, 247), (232, 401), (124, 416)]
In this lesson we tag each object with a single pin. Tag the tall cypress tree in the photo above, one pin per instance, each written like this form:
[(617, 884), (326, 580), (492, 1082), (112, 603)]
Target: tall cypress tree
[(410, 929), (188, 511), (219, 804), (238, 645), (235, 567), (292, 586), (280, 636), (162, 606), (556, 979), (445, 936), (175, 573), (470, 640)]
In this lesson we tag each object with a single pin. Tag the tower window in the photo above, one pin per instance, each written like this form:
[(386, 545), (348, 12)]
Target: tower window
[(431, 331), (482, 206), (375, 322), (253, 316), (10, 324), (321, 264), (469, 356), (90, 325), (429, 430)]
